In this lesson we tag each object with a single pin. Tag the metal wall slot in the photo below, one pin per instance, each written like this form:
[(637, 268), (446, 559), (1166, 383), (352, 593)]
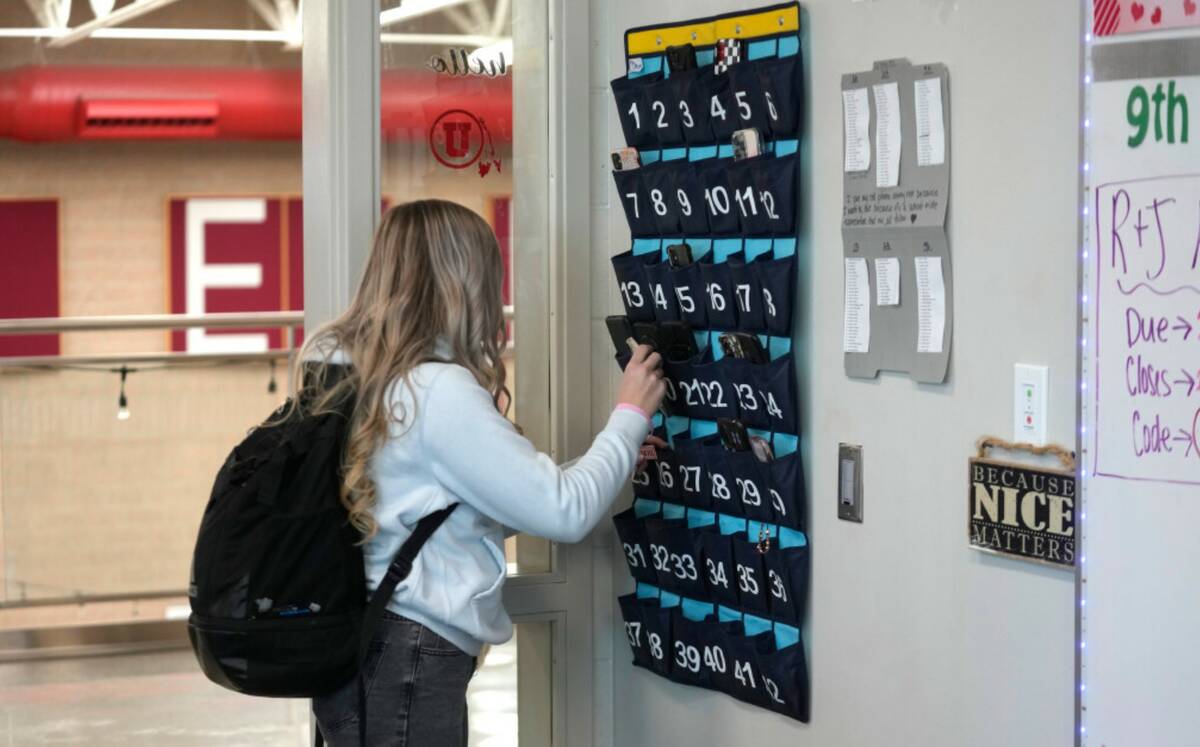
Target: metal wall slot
[(850, 483)]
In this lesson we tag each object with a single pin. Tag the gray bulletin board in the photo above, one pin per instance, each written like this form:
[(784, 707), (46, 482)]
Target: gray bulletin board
[(904, 223)]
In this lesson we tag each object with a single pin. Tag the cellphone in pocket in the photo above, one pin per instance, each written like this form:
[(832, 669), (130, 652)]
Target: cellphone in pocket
[(626, 159), (747, 143), (743, 346), (679, 255), (681, 57), (677, 341), (733, 434), (620, 330)]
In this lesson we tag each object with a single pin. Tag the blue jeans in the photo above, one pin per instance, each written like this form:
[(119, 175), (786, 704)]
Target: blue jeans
[(416, 686)]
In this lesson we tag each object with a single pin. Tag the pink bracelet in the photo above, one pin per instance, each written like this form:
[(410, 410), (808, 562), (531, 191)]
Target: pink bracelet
[(634, 408)]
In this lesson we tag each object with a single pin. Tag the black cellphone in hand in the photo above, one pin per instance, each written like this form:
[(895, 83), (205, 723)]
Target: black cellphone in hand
[(621, 331), (744, 346), (679, 255), (676, 340), (681, 57), (646, 333), (733, 434)]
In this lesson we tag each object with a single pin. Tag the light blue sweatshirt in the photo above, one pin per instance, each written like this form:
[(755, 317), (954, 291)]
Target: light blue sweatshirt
[(452, 446)]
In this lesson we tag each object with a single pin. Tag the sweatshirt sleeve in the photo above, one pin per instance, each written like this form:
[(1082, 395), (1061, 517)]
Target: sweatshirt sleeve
[(477, 453)]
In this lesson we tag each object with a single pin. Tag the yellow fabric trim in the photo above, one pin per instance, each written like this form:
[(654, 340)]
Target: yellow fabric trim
[(749, 26)]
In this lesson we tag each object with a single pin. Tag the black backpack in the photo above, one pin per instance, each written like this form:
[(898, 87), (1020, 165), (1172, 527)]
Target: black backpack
[(278, 586)]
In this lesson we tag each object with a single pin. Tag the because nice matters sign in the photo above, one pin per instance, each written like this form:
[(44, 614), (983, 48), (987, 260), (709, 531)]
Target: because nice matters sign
[(1024, 512)]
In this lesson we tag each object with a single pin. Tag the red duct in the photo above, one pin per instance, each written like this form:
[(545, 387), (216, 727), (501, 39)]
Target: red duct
[(55, 104)]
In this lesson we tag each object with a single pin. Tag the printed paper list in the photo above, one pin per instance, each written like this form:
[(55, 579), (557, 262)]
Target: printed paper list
[(931, 304), (887, 281), (931, 131), (856, 327), (856, 114), (887, 134)]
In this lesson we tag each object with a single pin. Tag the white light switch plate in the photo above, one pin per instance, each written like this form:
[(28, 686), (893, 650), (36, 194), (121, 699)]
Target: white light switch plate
[(1029, 403)]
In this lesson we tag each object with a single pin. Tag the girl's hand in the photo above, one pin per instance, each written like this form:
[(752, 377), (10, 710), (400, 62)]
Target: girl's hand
[(642, 384)]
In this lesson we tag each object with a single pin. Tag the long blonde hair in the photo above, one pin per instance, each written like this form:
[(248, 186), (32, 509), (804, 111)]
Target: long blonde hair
[(435, 271)]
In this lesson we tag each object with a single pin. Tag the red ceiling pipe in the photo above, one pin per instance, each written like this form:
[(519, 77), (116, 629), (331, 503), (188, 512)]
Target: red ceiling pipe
[(55, 104)]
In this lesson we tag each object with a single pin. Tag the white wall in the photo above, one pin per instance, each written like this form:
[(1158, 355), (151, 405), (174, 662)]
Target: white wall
[(913, 638)]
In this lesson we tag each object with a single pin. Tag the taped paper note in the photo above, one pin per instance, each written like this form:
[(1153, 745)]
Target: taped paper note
[(856, 328), (931, 132), (887, 135), (887, 281), (931, 305), (856, 113)]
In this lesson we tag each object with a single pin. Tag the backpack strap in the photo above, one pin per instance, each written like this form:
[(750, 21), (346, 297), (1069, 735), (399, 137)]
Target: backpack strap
[(398, 571)]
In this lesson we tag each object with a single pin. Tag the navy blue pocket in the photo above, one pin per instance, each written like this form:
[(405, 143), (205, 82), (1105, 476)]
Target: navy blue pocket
[(639, 213), (718, 479), (645, 481), (661, 201), (687, 650), (634, 285), (664, 113), (775, 188), (632, 532), (743, 182), (782, 86), (775, 386), (713, 177), (665, 473), (746, 95), (689, 295), (656, 622), (723, 116), (787, 490), (662, 292), (635, 633), (784, 675), (692, 104), (674, 557), (719, 304), (633, 109), (776, 281), (751, 578), (689, 198), (715, 656), (703, 389), (787, 580), (750, 486), (720, 576), (690, 474), (744, 651), (747, 295)]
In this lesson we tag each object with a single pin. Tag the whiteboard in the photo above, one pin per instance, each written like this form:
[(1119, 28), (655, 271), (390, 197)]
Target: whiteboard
[(1140, 392)]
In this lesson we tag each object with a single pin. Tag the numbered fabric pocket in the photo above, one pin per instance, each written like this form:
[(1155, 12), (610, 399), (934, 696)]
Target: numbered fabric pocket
[(787, 580), (633, 108), (743, 181), (664, 113), (723, 116), (747, 295), (751, 581), (746, 95), (750, 486), (715, 657), (662, 292), (776, 279), (665, 472), (656, 623), (689, 198), (720, 575), (775, 384), (784, 675), (744, 660), (634, 285), (639, 213), (713, 176), (687, 650), (717, 478), (690, 464), (702, 388), (775, 187), (719, 304), (635, 633), (691, 101), (781, 84), (645, 480), (674, 556), (632, 532), (689, 294), (662, 202), (787, 490)]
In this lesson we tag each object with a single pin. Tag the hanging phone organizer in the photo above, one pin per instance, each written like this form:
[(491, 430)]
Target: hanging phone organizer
[(716, 538)]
